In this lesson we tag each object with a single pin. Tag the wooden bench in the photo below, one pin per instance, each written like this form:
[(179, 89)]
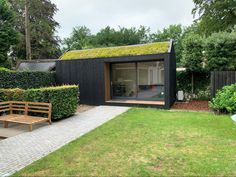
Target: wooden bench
[(23, 113)]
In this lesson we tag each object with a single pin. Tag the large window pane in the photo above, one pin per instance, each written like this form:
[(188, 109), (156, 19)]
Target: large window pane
[(151, 80), (124, 80)]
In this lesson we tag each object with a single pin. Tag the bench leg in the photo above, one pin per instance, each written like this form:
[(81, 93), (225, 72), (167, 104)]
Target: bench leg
[(50, 122), (5, 124), (30, 127)]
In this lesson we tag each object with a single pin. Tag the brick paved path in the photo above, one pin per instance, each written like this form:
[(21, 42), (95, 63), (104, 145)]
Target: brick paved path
[(21, 150)]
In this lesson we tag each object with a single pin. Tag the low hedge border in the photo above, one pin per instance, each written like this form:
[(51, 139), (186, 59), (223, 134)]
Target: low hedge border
[(64, 99), (25, 79)]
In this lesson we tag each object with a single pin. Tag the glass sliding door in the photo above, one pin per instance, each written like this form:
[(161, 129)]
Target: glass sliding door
[(139, 81), (124, 80), (150, 81)]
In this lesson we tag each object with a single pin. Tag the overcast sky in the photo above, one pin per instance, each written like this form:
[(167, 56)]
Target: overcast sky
[(97, 14)]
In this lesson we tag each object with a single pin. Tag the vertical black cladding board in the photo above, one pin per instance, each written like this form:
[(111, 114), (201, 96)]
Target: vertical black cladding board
[(170, 78), (71, 73), (58, 72), (167, 82)]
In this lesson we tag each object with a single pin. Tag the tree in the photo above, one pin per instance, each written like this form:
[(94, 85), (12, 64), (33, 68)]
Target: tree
[(123, 36), (44, 43), (220, 51), (27, 32), (193, 54), (174, 32), (8, 34), (80, 39), (215, 15)]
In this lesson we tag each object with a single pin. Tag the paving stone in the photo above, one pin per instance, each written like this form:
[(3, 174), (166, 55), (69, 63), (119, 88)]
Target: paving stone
[(19, 151)]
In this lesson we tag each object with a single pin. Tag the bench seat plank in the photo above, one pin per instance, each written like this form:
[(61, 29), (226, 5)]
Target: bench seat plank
[(27, 119), (8, 117)]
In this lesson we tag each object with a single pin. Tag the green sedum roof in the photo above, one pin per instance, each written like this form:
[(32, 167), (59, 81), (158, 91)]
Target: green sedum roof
[(132, 50)]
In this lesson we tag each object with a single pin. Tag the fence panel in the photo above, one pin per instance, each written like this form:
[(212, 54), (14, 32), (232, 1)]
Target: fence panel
[(220, 79)]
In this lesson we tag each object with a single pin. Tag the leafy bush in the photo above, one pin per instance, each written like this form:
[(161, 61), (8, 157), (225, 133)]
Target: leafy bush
[(25, 80), (4, 69), (12, 94), (64, 99), (225, 100), (220, 51)]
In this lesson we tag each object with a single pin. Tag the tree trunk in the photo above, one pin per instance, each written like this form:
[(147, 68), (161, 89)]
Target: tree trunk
[(27, 31)]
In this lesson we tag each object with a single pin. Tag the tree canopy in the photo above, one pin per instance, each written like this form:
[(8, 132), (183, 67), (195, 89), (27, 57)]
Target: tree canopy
[(215, 15), (220, 51), (174, 32), (8, 34), (43, 27), (193, 52), (81, 37)]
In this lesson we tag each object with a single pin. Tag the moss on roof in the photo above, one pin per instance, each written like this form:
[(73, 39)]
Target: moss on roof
[(132, 50)]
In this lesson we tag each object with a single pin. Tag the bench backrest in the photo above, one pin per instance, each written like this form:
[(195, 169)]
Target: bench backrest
[(34, 107), (26, 107), (17, 107), (4, 107)]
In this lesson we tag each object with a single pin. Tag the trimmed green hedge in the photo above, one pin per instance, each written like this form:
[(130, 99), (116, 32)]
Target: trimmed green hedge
[(225, 100), (25, 80), (64, 99)]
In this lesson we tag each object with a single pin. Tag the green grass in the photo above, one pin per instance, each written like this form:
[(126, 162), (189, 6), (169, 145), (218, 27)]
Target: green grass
[(148, 142), (132, 50)]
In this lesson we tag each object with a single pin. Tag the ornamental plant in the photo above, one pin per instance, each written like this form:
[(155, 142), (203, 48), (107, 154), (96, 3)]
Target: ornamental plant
[(225, 100)]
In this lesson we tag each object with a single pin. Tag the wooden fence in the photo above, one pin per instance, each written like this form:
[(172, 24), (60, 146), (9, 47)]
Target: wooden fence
[(220, 79)]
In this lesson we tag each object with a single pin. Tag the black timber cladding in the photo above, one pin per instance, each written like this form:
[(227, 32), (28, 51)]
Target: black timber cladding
[(89, 75)]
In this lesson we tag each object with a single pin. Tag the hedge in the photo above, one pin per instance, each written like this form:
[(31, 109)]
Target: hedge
[(225, 100), (25, 79), (64, 99)]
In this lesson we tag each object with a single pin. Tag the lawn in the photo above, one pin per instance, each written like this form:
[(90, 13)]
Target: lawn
[(148, 142)]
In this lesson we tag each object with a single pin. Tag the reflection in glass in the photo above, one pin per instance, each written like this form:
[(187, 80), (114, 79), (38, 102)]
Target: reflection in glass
[(151, 80), (124, 80)]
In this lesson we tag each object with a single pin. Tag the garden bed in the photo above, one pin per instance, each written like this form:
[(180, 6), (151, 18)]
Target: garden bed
[(192, 106)]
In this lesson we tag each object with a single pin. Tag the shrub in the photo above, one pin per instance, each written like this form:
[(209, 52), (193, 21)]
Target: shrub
[(220, 51), (64, 99), (25, 80), (12, 94), (4, 69), (225, 100)]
